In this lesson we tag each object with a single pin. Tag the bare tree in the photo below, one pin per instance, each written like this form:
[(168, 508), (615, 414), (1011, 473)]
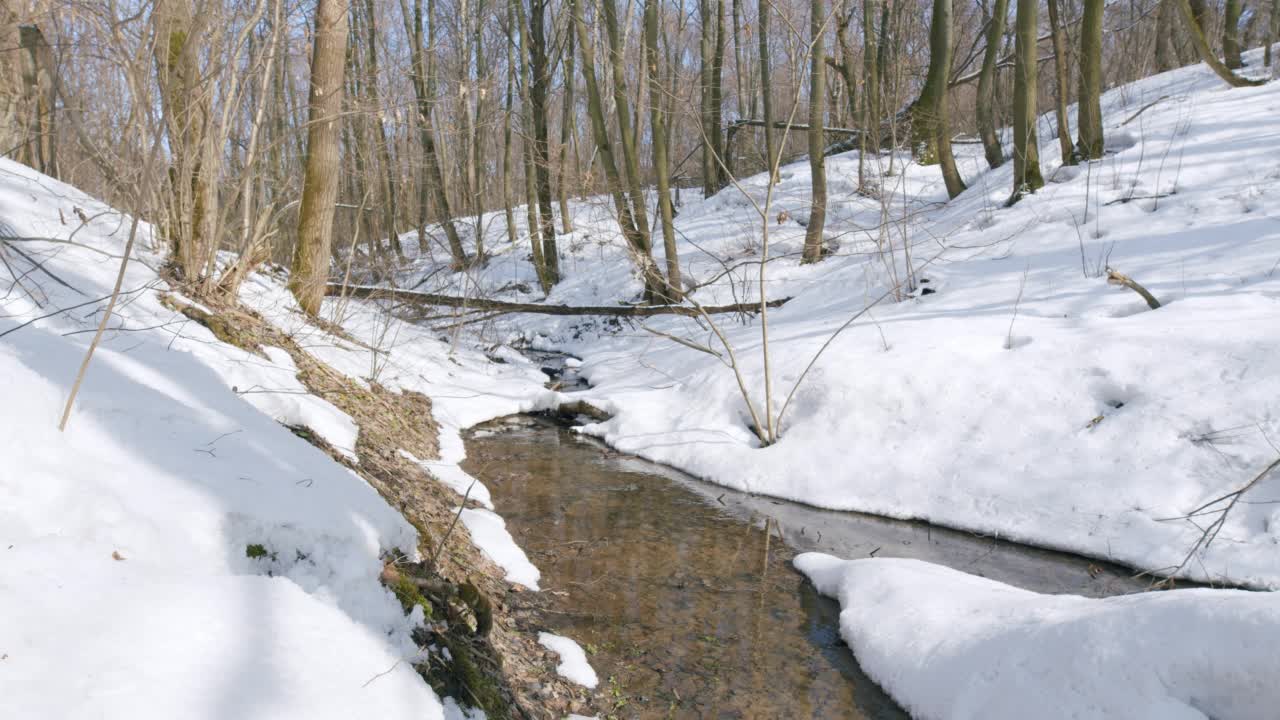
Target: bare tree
[(1026, 154), (320, 181), (817, 157)]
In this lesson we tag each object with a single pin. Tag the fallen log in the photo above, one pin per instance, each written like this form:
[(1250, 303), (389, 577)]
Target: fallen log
[(421, 298)]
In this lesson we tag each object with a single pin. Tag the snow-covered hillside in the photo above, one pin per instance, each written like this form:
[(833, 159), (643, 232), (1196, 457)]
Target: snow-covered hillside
[(1014, 392), (177, 551)]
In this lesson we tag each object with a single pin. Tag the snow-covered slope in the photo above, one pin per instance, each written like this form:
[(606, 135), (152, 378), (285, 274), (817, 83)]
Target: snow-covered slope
[(177, 551), (1015, 392)]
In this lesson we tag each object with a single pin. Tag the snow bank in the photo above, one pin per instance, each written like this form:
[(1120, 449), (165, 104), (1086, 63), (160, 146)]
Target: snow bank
[(949, 645), (175, 552), (489, 533), (573, 661)]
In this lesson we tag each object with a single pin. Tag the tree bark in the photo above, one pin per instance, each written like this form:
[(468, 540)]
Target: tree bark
[(986, 86), (817, 161), (1231, 34), (541, 78), (310, 273), (1026, 155), (566, 130), (1090, 144), (766, 92), (638, 241), (1059, 40), (930, 129), (871, 95), (661, 159), (1165, 58), (431, 181)]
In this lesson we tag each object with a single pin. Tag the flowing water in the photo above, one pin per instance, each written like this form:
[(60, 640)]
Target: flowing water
[(683, 593)]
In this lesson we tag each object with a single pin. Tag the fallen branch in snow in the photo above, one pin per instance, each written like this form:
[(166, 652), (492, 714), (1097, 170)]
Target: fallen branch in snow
[(1143, 109), (1210, 533), (412, 296), (1114, 277)]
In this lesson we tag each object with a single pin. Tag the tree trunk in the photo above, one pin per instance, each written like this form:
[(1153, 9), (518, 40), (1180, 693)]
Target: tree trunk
[(661, 159), (508, 100), (638, 241), (871, 95), (1165, 58), (930, 130), (1231, 34), (848, 65), (1026, 155), (1090, 144), (717, 99), (1058, 36), (707, 56), (185, 103), (310, 271), (431, 182), (566, 130), (1273, 28), (626, 135), (817, 161), (541, 71), (532, 220), (374, 120), (986, 86), (766, 91)]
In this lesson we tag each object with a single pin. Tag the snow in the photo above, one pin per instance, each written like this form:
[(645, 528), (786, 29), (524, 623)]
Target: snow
[(949, 645), (1024, 397), (129, 590), (489, 533), (573, 661)]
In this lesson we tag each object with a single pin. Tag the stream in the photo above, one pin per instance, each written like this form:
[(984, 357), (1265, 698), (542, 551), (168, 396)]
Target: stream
[(682, 592)]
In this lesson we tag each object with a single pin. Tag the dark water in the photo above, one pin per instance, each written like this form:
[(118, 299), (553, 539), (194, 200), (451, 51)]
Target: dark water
[(688, 607)]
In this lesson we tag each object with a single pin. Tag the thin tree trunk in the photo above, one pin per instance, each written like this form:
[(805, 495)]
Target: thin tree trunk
[(1273, 28), (508, 210), (433, 180), (871, 95), (707, 56), (383, 148), (481, 108), (1058, 37), (986, 86), (566, 128), (717, 98), (766, 92), (532, 219), (595, 106), (1165, 57), (661, 159), (1026, 155), (541, 70), (817, 160), (310, 271)]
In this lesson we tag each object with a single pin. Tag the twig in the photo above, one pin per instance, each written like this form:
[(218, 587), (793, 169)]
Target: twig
[(440, 548)]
